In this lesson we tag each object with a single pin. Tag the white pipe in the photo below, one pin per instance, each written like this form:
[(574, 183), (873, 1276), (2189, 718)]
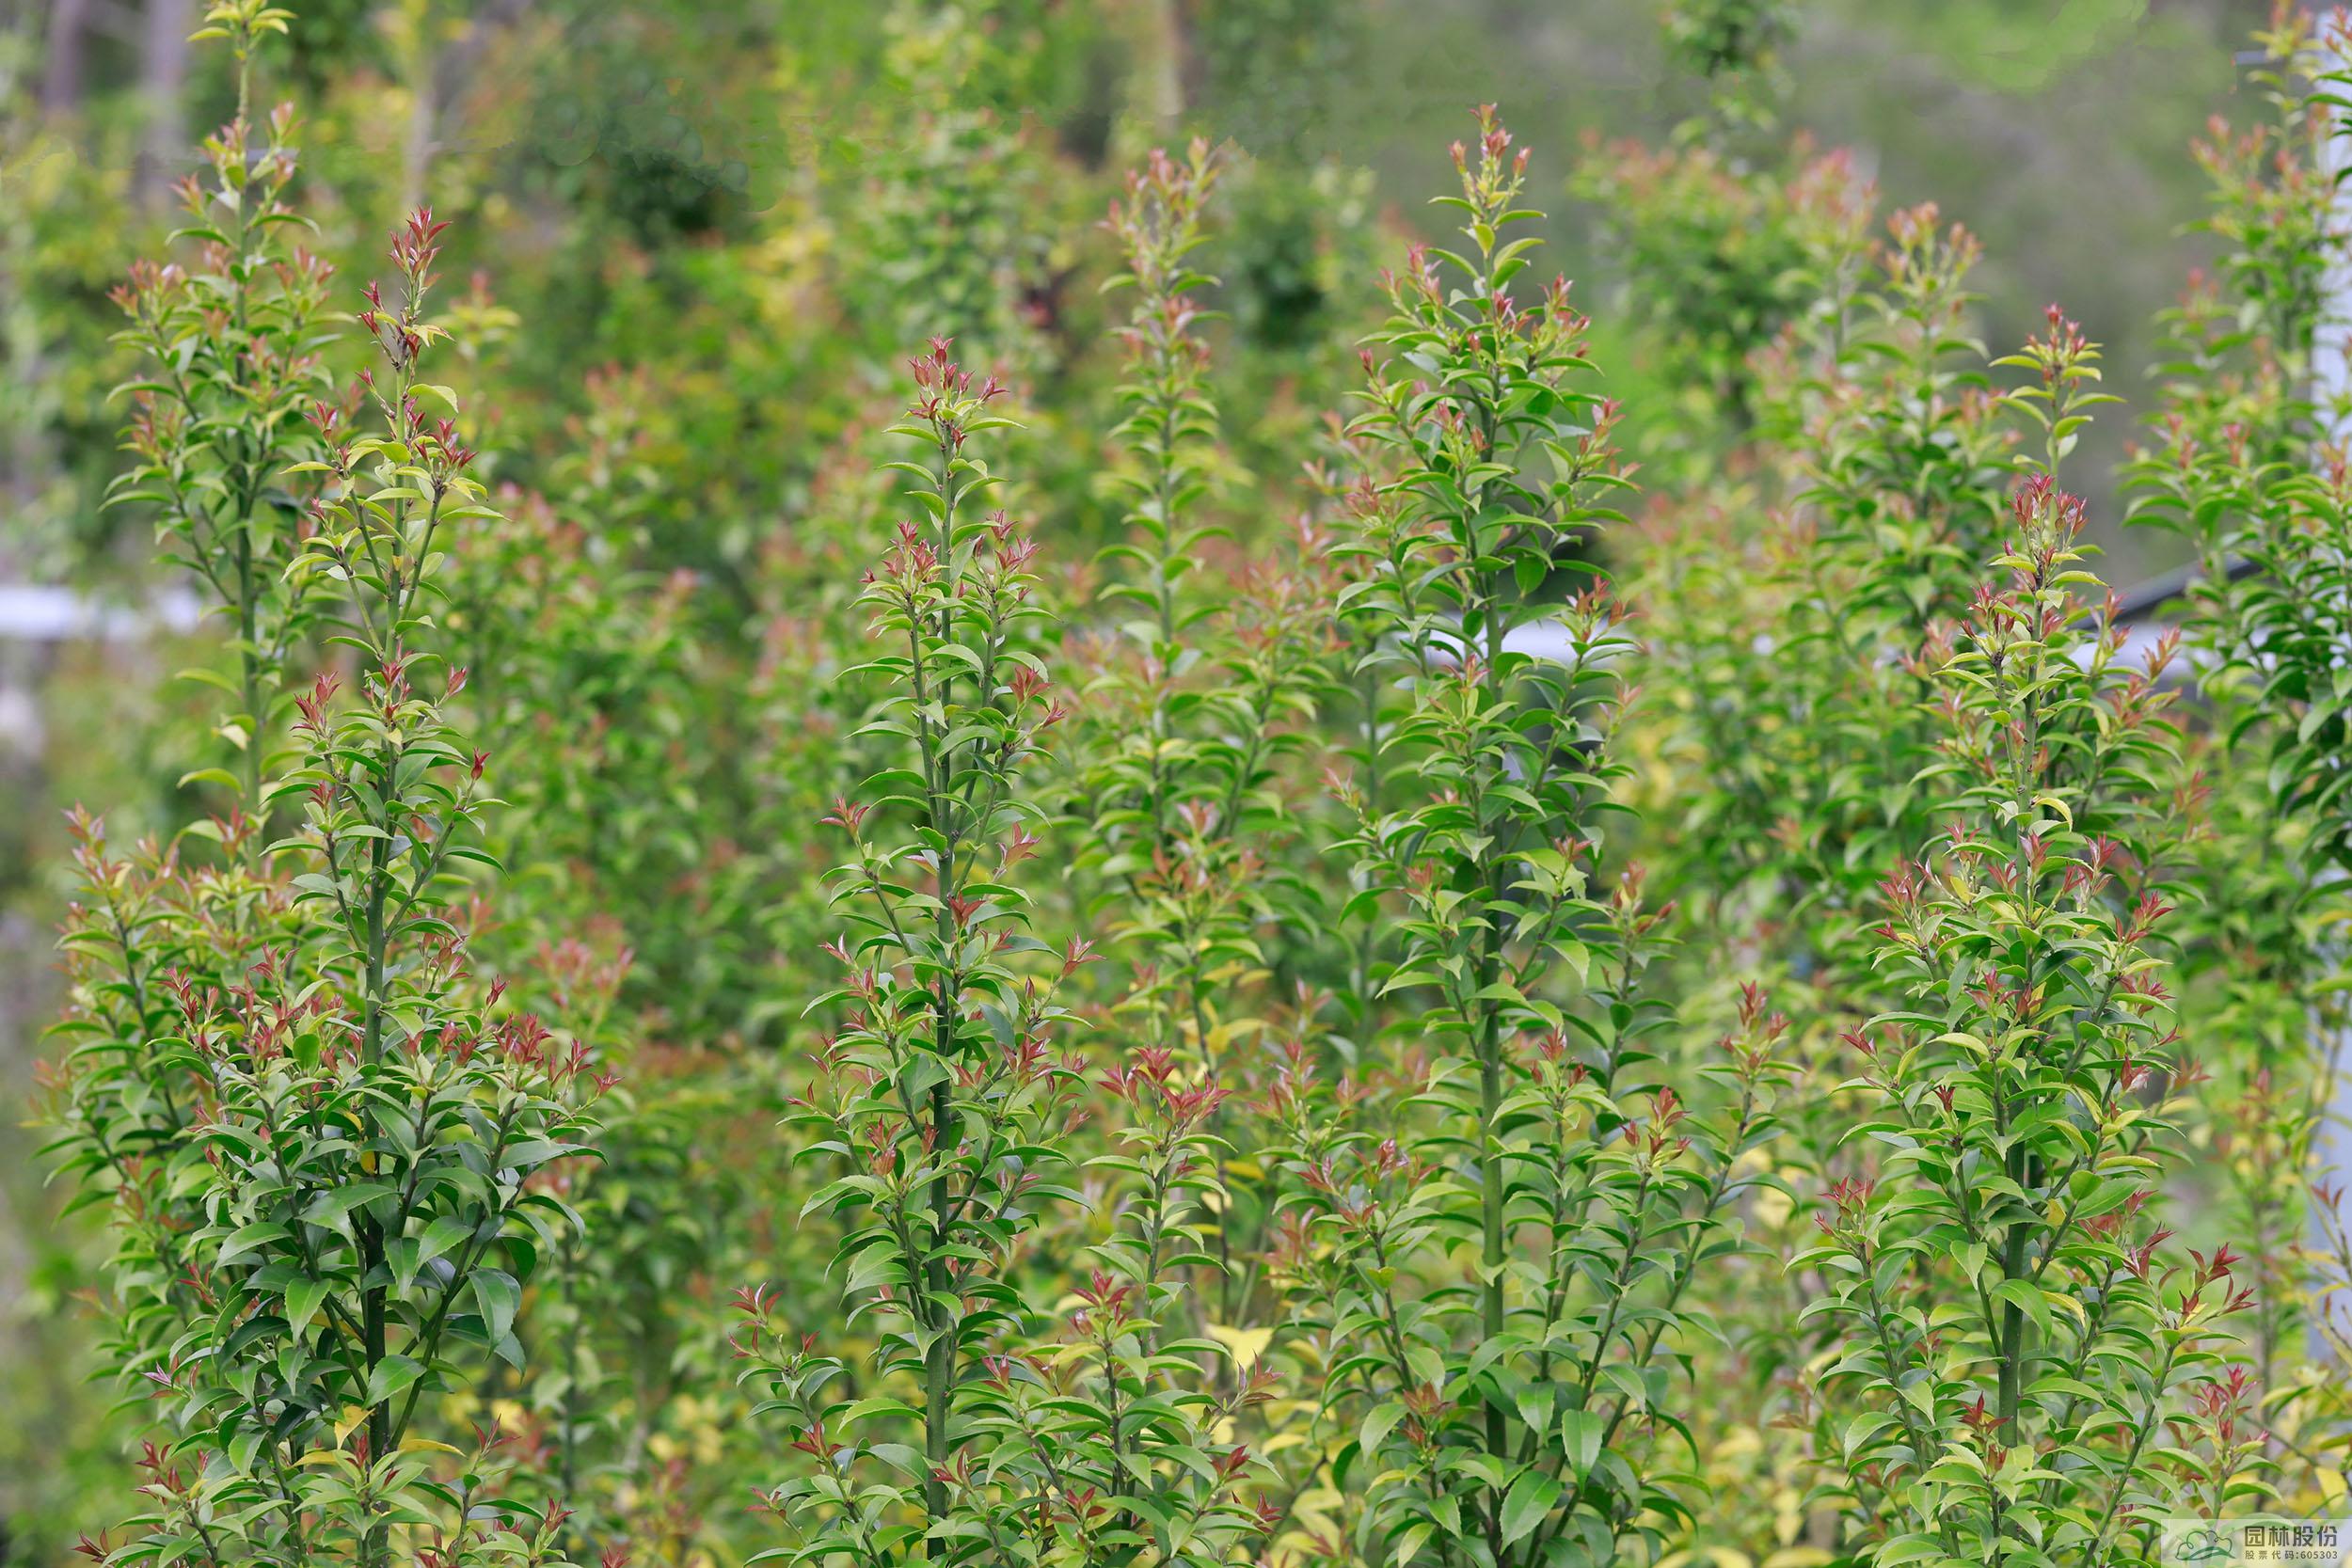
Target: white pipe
[(2331, 400), (35, 612)]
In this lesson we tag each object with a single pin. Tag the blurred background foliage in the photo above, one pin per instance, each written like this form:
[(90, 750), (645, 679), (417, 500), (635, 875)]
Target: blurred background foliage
[(693, 240)]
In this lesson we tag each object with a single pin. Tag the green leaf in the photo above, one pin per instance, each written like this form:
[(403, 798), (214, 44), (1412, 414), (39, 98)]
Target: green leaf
[(497, 1295), (1581, 1432), (390, 1377), (441, 1235), (249, 1239), (303, 1299), (1531, 1498)]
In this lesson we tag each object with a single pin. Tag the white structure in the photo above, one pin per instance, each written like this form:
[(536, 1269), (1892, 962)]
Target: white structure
[(2331, 395)]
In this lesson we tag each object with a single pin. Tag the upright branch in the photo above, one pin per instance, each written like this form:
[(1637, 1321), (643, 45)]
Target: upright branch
[(2244, 459), (1190, 709), (1504, 1419), (232, 335), (1162, 826), (2248, 460), (317, 1125), (1993, 1261), (942, 1094)]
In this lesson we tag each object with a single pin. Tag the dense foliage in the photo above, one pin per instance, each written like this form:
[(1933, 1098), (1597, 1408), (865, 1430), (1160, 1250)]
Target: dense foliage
[(1232, 917)]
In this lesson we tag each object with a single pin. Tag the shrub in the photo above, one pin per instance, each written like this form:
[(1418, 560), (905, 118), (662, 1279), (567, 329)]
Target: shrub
[(317, 1128), (2016, 1337), (1332, 998)]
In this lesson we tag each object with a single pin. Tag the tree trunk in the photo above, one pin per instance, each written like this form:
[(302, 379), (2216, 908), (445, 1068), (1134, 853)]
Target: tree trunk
[(62, 78), (162, 77)]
